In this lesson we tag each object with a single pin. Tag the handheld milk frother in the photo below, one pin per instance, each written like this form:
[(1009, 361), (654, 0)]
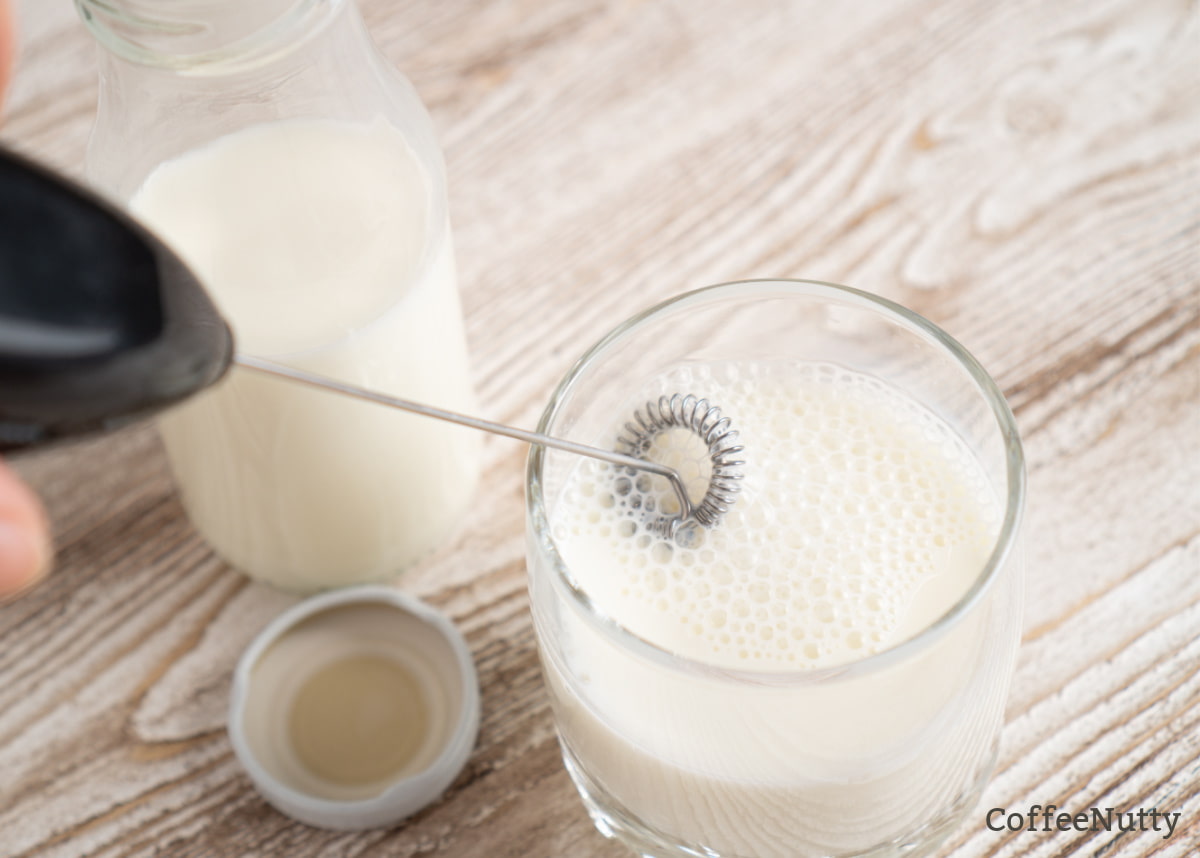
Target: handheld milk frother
[(102, 324)]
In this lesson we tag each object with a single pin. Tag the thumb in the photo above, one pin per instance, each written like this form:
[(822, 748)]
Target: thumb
[(24, 535)]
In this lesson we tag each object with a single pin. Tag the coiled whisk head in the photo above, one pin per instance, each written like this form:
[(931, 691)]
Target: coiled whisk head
[(704, 420)]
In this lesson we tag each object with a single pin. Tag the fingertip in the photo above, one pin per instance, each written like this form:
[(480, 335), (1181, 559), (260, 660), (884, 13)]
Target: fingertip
[(25, 551), (24, 558), (8, 45)]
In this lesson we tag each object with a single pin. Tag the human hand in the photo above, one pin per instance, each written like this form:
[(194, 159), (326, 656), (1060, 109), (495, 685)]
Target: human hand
[(24, 533)]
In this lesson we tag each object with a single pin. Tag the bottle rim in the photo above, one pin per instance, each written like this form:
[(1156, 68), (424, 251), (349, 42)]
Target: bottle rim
[(160, 35)]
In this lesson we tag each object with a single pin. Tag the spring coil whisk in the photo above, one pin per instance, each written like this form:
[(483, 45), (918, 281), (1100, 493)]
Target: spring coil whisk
[(704, 420)]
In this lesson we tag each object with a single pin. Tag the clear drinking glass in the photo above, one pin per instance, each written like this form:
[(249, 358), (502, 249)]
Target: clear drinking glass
[(879, 755)]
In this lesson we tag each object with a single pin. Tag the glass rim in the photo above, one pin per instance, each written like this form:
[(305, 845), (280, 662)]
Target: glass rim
[(1004, 545)]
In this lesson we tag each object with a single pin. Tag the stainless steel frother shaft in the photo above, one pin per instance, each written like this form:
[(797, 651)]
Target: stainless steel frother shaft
[(670, 474)]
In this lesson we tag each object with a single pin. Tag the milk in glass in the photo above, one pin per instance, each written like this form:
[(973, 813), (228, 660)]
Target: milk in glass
[(862, 519)]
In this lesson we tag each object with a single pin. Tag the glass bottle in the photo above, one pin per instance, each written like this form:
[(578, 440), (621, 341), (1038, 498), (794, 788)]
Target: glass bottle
[(298, 174)]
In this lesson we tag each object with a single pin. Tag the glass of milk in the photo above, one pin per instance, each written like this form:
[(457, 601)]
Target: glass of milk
[(297, 173), (825, 671)]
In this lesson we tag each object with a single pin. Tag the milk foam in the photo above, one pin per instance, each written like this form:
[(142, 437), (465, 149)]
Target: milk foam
[(862, 518)]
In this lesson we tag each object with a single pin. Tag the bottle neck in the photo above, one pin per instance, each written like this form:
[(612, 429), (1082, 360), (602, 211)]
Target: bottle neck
[(177, 74), (204, 36)]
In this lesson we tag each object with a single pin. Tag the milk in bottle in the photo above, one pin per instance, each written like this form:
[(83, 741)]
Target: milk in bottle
[(319, 241)]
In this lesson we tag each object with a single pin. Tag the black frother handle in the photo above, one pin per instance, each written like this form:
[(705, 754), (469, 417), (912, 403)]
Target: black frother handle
[(100, 322)]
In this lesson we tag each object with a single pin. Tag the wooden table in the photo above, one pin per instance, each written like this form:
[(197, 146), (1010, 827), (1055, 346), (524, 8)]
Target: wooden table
[(1025, 173)]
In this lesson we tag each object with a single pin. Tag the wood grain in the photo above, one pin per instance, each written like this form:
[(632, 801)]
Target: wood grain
[(1026, 174)]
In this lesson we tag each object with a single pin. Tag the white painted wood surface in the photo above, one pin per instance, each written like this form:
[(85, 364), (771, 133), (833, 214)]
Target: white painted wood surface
[(1026, 174)]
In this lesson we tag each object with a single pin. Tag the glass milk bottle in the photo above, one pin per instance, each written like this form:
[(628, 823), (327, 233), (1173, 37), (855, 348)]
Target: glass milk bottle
[(297, 172)]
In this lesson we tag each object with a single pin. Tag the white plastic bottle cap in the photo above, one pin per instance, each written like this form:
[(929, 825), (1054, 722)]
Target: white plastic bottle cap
[(355, 709)]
